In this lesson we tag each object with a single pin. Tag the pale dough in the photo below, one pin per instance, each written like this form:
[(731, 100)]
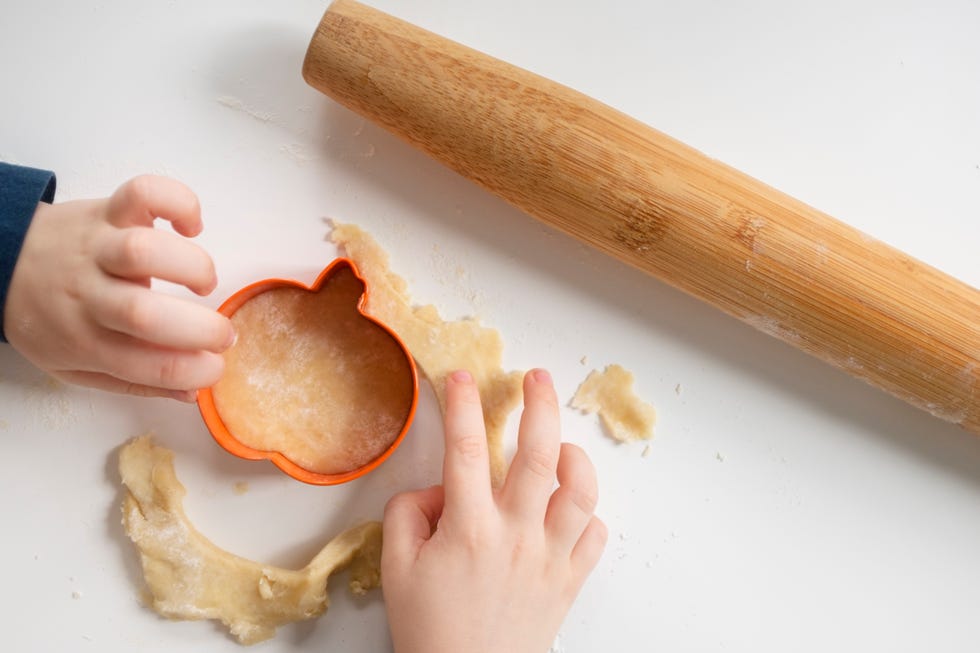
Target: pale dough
[(312, 378), (188, 577), (439, 347), (610, 393)]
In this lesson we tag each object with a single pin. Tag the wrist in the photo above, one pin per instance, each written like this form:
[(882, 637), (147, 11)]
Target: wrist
[(22, 191)]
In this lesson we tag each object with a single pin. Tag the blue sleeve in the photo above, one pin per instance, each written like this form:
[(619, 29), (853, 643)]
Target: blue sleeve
[(20, 191)]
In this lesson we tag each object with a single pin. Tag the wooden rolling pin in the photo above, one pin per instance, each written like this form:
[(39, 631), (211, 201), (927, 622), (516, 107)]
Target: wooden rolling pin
[(663, 207)]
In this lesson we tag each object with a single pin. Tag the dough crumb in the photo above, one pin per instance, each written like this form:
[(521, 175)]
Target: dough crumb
[(76, 595), (610, 393), (720, 457), (677, 389), (188, 577), (647, 450), (240, 488)]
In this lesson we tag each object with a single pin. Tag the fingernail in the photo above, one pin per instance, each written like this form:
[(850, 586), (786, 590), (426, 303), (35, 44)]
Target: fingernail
[(461, 376), (233, 338), (188, 396), (541, 376)]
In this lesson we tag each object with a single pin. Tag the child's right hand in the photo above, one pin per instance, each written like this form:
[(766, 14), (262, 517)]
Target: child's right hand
[(465, 568), (79, 305)]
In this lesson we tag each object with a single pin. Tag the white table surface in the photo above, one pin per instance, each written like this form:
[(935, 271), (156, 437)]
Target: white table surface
[(783, 506)]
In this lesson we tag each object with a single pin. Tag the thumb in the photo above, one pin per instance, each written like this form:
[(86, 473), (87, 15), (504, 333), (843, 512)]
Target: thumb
[(409, 520)]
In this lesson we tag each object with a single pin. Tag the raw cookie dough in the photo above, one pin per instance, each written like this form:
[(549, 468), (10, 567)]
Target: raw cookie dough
[(314, 379), (439, 347), (188, 577), (610, 393)]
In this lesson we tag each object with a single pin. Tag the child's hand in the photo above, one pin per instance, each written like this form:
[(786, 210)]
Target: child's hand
[(465, 568), (80, 306)]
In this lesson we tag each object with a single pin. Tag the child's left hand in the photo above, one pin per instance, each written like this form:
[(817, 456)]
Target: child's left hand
[(79, 305)]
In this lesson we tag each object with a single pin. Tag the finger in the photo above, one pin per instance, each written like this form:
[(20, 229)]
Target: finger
[(531, 478), (573, 503), (466, 468), (589, 548), (140, 363), (142, 253), (111, 384), (157, 318), (409, 519), (142, 199)]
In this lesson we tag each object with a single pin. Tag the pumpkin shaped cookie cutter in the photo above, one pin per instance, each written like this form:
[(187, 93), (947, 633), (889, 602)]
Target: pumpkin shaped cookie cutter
[(405, 367)]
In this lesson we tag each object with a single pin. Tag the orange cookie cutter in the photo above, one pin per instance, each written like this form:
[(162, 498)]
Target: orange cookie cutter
[(224, 437)]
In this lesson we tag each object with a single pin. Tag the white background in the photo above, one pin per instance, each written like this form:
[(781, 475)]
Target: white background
[(783, 506)]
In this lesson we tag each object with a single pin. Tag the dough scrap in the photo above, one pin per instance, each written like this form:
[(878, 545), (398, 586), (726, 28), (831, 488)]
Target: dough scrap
[(439, 347), (188, 577), (624, 416)]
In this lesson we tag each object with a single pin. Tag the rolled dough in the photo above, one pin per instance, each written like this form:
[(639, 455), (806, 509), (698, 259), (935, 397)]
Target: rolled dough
[(188, 577)]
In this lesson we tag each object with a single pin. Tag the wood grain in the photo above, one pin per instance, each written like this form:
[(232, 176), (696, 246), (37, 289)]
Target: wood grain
[(663, 207)]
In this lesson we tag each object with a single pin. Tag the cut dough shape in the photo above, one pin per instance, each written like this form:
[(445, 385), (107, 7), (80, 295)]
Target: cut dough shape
[(624, 416), (439, 347), (312, 378), (188, 577)]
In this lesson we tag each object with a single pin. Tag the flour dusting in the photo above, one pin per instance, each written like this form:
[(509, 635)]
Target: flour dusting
[(237, 104)]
